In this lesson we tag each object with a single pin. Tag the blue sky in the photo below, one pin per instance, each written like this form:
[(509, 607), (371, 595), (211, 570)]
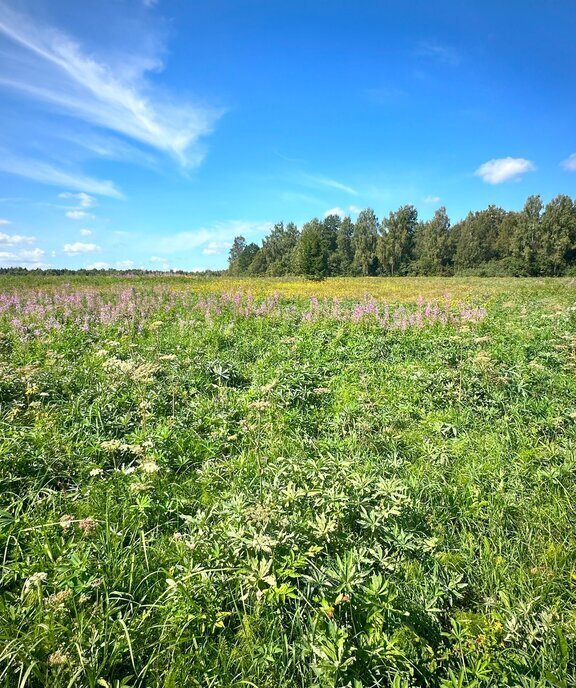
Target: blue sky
[(149, 133)]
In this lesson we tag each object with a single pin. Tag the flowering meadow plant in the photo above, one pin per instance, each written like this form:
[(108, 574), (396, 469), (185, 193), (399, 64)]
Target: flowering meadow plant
[(280, 484), (36, 312)]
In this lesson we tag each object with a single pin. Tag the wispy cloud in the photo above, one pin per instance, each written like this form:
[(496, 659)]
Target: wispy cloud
[(84, 200), (15, 239), (216, 248), (501, 170), (46, 173), (59, 71), (4, 222), (432, 200), (570, 163), (78, 214), (98, 265), (317, 180), (85, 232), (79, 247), (219, 232), (440, 52)]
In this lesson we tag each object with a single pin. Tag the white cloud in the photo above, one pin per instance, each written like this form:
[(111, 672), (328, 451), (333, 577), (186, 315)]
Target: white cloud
[(570, 163), (28, 258), (224, 231), (161, 263), (79, 247), (98, 265), (351, 210), (215, 248), (33, 254), (501, 170), (115, 95), (85, 232), (84, 199), (14, 239), (5, 222), (432, 200), (78, 214), (335, 211), (46, 173)]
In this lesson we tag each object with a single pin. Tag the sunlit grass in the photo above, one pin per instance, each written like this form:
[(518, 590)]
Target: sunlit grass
[(196, 494)]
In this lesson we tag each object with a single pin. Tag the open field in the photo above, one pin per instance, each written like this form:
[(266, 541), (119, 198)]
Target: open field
[(278, 483)]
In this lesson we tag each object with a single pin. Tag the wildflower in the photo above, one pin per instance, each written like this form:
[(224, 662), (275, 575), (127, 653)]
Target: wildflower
[(87, 525), (144, 372), (58, 599), (58, 658), (34, 580), (260, 405), (95, 472), (66, 521), (149, 466)]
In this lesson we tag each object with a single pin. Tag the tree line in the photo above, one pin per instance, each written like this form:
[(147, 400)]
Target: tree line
[(537, 240)]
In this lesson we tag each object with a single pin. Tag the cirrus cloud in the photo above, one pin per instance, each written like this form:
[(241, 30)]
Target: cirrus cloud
[(114, 94), (570, 163)]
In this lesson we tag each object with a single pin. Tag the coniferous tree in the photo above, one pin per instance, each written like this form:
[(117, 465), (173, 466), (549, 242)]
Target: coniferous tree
[(312, 251), (330, 226)]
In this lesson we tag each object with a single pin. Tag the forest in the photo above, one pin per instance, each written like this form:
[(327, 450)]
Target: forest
[(539, 240)]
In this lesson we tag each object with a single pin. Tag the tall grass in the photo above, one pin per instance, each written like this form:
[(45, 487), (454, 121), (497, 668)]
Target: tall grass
[(205, 489)]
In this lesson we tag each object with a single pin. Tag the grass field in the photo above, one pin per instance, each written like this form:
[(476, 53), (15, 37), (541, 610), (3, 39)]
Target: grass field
[(271, 484)]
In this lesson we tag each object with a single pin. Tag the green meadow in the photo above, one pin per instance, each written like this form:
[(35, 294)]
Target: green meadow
[(283, 483)]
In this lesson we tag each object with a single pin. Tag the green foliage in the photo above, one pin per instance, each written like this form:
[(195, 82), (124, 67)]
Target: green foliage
[(313, 251), (258, 501), (533, 242), (397, 240), (432, 250), (364, 242)]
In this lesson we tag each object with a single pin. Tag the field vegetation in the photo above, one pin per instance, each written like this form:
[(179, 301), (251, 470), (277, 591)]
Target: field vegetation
[(281, 483)]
